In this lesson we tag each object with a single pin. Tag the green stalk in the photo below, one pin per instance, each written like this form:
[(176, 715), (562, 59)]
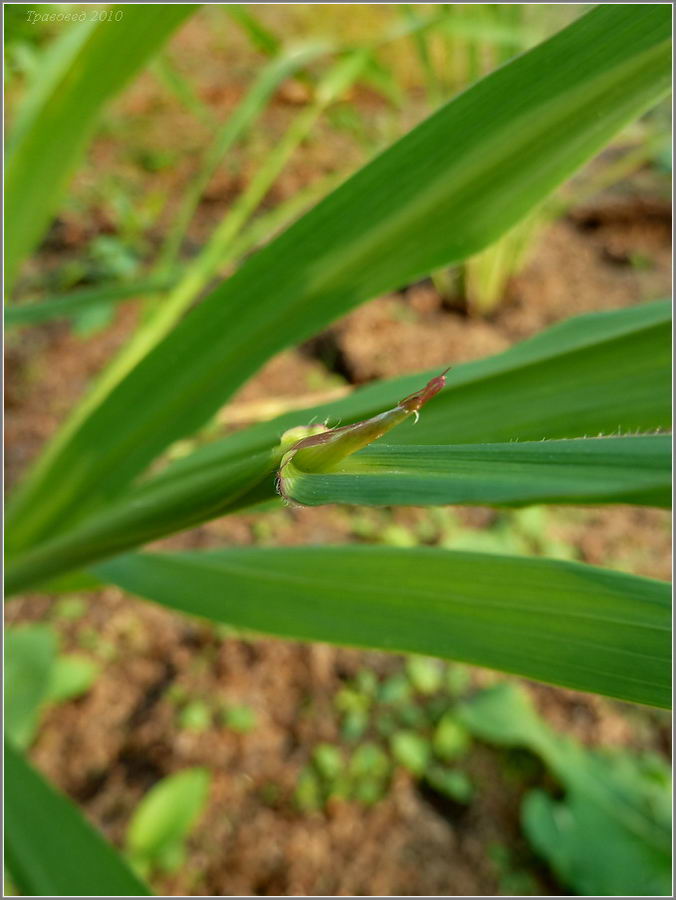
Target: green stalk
[(64, 306), (219, 249), (434, 89), (229, 133), (486, 275), (261, 37), (182, 90)]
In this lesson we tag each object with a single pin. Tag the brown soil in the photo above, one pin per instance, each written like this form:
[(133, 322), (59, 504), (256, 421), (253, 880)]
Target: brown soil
[(108, 748)]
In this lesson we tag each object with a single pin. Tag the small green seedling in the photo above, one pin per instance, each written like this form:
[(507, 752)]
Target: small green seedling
[(73, 676), (364, 778), (451, 740), (241, 719), (328, 760), (458, 679), (410, 750), (354, 703), (308, 794), (366, 683), (354, 725), (452, 783), (329, 765), (195, 716), (71, 607), (39, 676), (88, 638), (395, 690), (369, 771), (369, 761), (158, 830), (411, 715), (425, 674)]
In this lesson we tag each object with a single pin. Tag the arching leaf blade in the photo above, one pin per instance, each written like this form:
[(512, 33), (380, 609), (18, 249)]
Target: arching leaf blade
[(565, 623)]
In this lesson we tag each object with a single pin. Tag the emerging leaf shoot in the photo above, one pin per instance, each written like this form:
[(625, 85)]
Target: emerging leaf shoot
[(320, 448)]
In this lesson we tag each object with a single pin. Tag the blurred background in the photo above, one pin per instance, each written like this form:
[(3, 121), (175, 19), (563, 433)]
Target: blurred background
[(304, 769)]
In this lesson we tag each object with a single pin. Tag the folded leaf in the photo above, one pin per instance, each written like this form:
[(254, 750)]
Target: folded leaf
[(600, 373), (326, 448), (593, 470), (565, 623)]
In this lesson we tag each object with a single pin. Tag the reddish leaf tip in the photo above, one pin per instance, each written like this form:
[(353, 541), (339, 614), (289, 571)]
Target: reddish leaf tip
[(415, 401)]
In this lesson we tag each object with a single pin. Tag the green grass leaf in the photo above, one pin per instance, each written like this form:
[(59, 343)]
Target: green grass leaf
[(51, 850), (63, 108), (260, 36), (30, 659), (593, 470), (73, 676), (236, 126), (445, 191), (560, 622), (137, 519), (68, 306), (604, 372)]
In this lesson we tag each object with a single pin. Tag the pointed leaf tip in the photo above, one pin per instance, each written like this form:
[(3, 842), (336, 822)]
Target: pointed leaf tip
[(419, 398)]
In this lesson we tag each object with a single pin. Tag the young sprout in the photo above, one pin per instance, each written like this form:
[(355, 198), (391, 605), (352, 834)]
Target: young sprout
[(322, 448)]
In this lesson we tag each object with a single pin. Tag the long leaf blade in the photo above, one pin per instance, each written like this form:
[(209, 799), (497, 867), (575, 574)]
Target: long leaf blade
[(564, 623), (64, 306), (598, 373), (52, 851), (63, 111), (593, 470), (480, 163), (139, 518)]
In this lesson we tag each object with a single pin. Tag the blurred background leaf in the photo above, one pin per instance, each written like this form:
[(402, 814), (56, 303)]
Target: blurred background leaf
[(612, 830), (38, 675), (57, 118), (162, 821), (51, 849)]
